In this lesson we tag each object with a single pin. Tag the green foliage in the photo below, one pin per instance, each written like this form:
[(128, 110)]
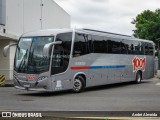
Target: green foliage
[(147, 25)]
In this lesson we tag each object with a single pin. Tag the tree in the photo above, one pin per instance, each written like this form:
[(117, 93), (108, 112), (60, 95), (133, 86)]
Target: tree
[(147, 25)]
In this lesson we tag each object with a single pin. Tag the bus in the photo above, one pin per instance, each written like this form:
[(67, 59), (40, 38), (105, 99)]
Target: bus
[(63, 59)]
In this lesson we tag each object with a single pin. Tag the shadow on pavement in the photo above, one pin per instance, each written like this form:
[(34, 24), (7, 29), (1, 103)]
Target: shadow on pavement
[(90, 89)]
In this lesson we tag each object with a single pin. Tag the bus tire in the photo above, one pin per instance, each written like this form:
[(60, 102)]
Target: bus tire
[(79, 84), (138, 77)]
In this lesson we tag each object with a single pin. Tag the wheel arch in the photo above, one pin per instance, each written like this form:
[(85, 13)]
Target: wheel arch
[(80, 74)]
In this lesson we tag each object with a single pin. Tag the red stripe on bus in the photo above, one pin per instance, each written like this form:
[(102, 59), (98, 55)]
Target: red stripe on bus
[(80, 68)]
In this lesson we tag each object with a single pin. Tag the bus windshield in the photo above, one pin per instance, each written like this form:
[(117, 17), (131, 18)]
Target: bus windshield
[(29, 55)]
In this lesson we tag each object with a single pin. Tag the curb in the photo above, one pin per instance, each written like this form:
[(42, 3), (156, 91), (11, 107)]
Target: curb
[(8, 83)]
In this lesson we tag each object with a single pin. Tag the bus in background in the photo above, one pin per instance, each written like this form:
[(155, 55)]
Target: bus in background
[(62, 59)]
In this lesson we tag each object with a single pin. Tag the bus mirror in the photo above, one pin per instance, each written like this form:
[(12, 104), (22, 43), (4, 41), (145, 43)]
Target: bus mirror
[(6, 48), (47, 46)]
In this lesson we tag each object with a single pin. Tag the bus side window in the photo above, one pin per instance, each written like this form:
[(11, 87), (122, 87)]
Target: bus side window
[(106, 44), (89, 43), (124, 47), (150, 49), (100, 44), (142, 48), (137, 49), (116, 46), (128, 46), (91, 46), (146, 49), (109, 47), (80, 45)]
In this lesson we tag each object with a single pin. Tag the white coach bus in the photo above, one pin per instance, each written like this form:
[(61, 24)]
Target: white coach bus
[(61, 59)]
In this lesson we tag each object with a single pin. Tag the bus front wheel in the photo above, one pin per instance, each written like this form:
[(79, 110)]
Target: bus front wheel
[(138, 77), (79, 84)]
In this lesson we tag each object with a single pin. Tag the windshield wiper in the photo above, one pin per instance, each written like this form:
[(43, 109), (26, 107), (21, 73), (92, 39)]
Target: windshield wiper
[(22, 65), (31, 61)]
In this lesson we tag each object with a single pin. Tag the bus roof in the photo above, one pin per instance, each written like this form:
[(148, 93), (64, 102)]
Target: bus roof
[(46, 32), (54, 32), (112, 35)]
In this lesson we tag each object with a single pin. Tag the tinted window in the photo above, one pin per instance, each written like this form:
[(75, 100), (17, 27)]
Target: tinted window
[(142, 48), (90, 44), (129, 46), (61, 53), (100, 44), (136, 47), (124, 47), (80, 45), (114, 46), (133, 47), (151, 50), (148, 49), (85, 44)]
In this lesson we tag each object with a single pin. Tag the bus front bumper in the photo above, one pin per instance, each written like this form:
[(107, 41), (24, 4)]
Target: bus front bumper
[(33, 86), (31, 89)]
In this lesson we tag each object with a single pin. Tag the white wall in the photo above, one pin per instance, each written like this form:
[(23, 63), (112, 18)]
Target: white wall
[(28, 15), (2, 12), (32, 15), (54, 16), (14, 17), (4, 61), (24, 16)]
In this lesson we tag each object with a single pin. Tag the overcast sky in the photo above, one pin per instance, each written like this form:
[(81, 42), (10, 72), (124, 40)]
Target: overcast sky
[(109, 15)]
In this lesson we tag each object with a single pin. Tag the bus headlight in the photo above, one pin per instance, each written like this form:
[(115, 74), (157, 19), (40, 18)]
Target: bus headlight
[(42, 78)]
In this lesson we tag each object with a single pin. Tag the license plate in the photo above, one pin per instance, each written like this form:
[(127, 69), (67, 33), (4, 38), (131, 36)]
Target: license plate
[(27, 86), (31, 77)]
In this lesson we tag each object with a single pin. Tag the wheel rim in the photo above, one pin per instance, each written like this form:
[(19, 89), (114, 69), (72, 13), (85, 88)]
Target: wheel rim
[(77, 85)]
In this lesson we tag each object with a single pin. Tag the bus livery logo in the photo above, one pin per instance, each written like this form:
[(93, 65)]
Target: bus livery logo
[(139, 64), (31, 77)]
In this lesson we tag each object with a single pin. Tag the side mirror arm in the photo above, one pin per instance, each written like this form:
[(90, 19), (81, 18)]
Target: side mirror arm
[(47, 46)]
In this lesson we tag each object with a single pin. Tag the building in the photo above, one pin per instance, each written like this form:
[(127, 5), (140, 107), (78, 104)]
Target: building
[(20, 16)]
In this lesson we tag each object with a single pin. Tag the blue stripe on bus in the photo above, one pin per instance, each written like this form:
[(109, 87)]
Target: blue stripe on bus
[(107, 67)]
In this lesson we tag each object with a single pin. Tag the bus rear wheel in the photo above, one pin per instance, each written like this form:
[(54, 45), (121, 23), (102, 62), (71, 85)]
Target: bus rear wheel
[(138, 77), (79, 84)]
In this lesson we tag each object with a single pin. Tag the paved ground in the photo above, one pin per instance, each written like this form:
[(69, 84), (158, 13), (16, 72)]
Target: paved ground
[(119, 97)]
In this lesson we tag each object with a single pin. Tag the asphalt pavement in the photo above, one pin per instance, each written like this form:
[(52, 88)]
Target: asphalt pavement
[(116, 97)]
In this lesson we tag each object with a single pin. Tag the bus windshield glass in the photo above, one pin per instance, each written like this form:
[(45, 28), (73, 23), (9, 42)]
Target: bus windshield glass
[(29, 55)]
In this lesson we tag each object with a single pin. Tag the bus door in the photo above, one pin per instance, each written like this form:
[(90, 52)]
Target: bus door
[(59, 66)]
